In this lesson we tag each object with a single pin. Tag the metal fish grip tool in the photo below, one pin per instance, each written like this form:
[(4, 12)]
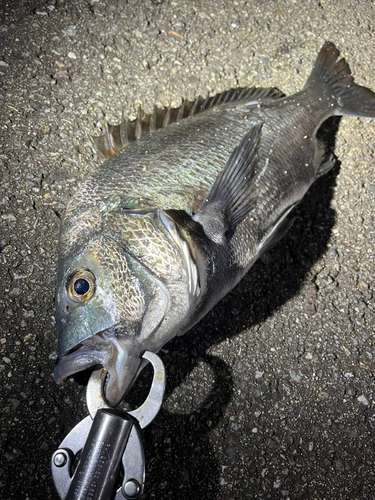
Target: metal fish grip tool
[(107, 439)]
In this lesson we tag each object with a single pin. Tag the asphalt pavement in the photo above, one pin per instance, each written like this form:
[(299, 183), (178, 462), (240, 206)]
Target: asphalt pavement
[(271, 395)]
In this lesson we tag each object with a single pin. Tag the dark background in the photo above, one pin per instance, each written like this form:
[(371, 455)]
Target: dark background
[(271, 395)]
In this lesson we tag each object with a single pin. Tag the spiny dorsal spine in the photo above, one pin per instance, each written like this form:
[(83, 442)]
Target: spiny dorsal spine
[(118, 136)]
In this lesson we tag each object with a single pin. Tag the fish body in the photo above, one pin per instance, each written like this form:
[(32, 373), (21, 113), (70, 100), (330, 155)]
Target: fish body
[(170, 224)]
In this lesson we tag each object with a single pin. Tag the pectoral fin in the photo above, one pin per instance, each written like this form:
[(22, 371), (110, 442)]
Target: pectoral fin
[(232, 195)]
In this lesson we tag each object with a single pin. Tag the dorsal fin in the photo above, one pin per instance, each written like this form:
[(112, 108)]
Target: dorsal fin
[(117, 136)]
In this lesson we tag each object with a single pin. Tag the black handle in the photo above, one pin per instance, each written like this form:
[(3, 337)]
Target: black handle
[(100, 461)]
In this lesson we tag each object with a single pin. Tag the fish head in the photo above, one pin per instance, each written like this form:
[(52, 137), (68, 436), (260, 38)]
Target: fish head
[(124, 287)]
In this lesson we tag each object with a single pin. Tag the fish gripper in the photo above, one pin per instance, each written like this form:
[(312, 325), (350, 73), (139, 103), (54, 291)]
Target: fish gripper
[(107, 440)]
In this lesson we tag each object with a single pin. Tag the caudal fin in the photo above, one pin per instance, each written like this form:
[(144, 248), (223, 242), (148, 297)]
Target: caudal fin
[(332, 78)]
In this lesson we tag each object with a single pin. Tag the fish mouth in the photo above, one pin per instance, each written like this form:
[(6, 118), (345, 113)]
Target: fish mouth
[(114, 352)]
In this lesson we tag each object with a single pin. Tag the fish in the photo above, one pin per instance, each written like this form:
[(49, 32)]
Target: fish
[(185, 202)]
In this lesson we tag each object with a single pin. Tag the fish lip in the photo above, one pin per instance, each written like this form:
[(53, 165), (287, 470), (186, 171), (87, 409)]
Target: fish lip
[(95, 350), (111, 351), (81, 358)]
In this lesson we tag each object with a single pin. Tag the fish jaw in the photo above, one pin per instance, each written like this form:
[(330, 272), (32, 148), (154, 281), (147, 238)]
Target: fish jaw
[(118, 354)]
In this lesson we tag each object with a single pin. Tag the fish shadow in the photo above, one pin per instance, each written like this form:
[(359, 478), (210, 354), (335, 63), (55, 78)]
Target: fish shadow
[(180, 459)]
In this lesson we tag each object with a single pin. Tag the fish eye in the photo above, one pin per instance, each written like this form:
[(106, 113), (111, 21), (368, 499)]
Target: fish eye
[(81, 285)]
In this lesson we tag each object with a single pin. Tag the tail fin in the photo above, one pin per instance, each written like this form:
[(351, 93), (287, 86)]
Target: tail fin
[(335, 80)]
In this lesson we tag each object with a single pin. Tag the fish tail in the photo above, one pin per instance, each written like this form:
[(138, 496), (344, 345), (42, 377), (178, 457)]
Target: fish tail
[(332, 78)]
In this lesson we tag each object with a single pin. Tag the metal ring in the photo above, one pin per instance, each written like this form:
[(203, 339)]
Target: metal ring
[(146, 413)]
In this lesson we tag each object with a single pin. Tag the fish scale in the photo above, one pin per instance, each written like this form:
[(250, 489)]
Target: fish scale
[(170, 223), (144, 241), (147, 162)]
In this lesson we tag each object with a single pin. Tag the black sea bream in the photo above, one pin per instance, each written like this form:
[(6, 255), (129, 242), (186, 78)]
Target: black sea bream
[(170, 223)]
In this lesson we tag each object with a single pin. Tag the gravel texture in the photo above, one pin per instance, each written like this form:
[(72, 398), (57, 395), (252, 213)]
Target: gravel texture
[(271, 396)]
